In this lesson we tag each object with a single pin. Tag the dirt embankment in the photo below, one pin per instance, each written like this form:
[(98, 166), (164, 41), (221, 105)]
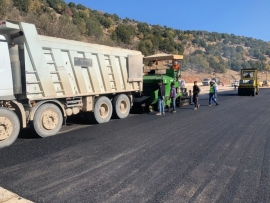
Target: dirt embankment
[(190, 76)]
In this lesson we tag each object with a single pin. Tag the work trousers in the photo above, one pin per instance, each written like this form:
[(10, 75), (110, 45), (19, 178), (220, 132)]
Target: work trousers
[(160, 104), (196, 99), (212, 97)]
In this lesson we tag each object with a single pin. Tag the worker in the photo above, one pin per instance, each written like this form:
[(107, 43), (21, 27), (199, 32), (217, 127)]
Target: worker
[(175, 66), (161, 96), (212, 93), (182, 84), (196, 92), (173, 97)]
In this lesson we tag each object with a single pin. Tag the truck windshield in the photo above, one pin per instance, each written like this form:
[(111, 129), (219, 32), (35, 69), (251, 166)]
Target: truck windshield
[(248, 74)]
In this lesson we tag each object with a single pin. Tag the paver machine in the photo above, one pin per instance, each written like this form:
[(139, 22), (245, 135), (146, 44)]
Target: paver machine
[(164, 67), (248, 84)]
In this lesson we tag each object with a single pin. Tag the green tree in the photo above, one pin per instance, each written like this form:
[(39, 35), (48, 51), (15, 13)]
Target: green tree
[(93, 28), (123, 33), (143, 28), (202, 43), (239, 49), (106, 22), (196, 62), (22, 5), (81, 7), (71, 5), (235, 65), (146, 47), (58, 5)]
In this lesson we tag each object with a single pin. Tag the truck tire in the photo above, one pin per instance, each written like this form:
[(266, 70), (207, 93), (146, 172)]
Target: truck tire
[(9, 127), (103, 110), (121, 106), (48, 120)]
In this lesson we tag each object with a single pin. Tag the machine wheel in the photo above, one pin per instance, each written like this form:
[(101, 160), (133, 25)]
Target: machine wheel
[(178, 101), (9, 127), (253, 92), (103, 110), (121, 106), (48, 120)]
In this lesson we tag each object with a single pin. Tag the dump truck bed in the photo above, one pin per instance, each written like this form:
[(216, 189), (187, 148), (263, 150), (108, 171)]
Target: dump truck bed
[(56, 68)]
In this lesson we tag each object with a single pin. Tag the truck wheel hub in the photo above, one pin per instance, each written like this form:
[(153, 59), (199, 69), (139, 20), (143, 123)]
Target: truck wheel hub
[(49, 120), (5, 128), (104, 110), (123, 107)]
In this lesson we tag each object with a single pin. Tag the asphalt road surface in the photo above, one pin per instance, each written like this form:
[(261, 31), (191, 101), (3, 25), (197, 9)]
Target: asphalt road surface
[(214, 154)]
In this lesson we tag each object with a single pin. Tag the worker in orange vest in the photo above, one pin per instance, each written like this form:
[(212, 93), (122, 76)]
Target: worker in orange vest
[(175, 66)]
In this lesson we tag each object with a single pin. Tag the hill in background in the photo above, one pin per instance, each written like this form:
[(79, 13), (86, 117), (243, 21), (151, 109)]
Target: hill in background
[(205, 52)]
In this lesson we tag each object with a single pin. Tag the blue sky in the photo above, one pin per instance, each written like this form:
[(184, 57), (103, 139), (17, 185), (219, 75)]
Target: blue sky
[(249, 18)]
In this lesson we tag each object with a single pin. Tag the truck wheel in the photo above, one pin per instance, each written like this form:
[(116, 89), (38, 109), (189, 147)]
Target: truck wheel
[(47, 121), (121, 106), (9, 127), (103, 110)]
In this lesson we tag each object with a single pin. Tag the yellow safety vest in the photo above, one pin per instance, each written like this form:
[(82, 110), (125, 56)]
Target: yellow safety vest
[(212, 89)]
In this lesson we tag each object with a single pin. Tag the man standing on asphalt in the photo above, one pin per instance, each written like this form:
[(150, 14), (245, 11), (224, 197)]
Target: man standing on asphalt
[(212, 93), (161, 95), (173, 97), (196, 92)]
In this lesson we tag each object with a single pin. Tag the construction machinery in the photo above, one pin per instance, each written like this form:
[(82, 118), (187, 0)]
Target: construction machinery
[(161, 69), (44, 80), (248, 84)]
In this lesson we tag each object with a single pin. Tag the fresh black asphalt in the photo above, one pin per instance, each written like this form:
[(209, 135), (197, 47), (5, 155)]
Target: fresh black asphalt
[(214, 154)]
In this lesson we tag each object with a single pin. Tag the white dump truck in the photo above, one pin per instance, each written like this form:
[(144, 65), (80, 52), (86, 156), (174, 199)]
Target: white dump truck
[(45, 79)]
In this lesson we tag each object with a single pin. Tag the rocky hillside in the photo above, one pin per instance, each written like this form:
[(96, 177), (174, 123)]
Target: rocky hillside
[(205, 52)]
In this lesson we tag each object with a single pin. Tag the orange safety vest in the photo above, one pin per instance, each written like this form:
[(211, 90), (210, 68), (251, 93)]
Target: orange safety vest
[(175, 67)]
